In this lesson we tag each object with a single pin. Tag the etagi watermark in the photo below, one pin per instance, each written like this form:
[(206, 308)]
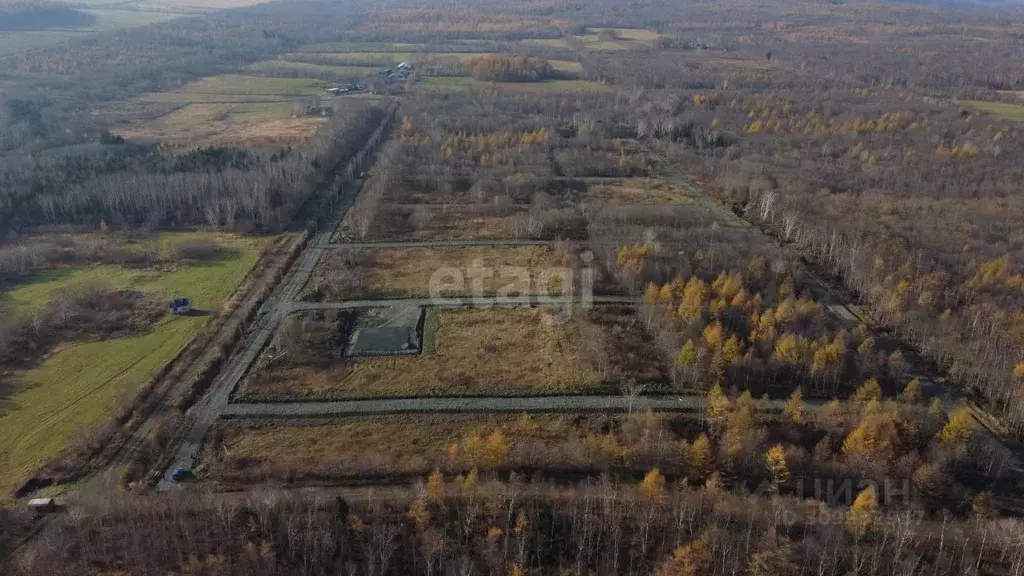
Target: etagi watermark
[(558, 288)]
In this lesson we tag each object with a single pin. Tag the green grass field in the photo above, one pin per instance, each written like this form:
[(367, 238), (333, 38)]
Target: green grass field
[(82, 384), (1000, 109)]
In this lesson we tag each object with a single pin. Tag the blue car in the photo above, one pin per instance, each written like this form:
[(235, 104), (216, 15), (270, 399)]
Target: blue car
[(180, 474)]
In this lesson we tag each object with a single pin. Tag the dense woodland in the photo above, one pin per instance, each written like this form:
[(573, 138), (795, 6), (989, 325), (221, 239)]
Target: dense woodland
[(143, 187), (473, 526)]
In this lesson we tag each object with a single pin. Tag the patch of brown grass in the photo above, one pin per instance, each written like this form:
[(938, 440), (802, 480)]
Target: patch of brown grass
[(414, 445), (441, 222), (650, 191), (225, 124), (408, 271)]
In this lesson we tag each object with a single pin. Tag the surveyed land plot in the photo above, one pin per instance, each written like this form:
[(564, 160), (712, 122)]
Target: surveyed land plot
[(398, 447), (504, 352), (349, 273)]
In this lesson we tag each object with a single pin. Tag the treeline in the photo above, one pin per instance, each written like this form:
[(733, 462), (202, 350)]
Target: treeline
[(214, 187), (507, 68), (469, 525)]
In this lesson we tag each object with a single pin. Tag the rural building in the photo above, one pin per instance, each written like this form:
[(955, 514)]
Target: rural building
[(42, 505), (342, 89), (398, 73), (180, 306)]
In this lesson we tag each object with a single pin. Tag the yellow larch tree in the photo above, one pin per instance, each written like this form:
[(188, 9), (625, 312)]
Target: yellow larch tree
[(958, 431), (775, 462), (911, 392), (868, 391), (793, 411), (688, 560), (701, 458), (719, 406), (652, 487), (435, 486), (863, 511)]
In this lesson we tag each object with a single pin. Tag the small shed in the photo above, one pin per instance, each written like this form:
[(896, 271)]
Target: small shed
[(180, 306), (42, 505)]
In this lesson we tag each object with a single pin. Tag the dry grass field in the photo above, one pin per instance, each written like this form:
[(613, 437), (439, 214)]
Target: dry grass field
[(408, 271), (228, 110), (320, 71), (645, 191), (371, 58), (567, 66), (252, 124), (414, 445), (439, 222), (485, 351), (547, 42), (637, 34)]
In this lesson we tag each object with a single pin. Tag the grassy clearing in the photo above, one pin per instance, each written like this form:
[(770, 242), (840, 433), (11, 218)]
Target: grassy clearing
[(495, 351), (377, 59), (645, 191), (241, 124), (550, 42), (439, 221), (408, 272), (23, 41), (1000, 109), (229, 84), (205, 282), (81, 384), (637, 34), (598, 45), (567, 66), (116, 19), (414, 445), (348, 47), (314, 69), (232, 109)]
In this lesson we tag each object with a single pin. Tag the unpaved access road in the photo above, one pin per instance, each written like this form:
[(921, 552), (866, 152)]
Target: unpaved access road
[(446, 244), (517, 301), (620, 403)]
